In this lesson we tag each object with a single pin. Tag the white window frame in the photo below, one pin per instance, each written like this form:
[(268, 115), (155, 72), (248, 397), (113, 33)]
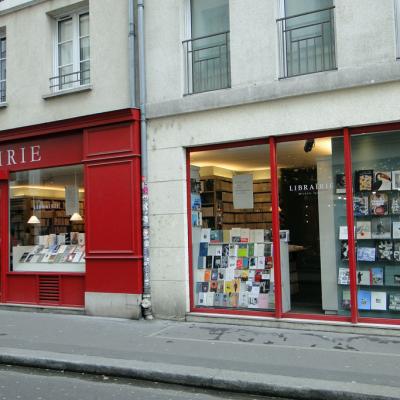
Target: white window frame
[(76, 61), (3, 37)]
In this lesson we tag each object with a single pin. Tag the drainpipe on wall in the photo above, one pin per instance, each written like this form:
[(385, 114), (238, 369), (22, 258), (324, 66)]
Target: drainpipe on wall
[(146, 301)]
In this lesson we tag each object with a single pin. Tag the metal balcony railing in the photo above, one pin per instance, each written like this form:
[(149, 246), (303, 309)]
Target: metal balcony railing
[(307, 42), (69, 81), (2, 91), (207, 62)]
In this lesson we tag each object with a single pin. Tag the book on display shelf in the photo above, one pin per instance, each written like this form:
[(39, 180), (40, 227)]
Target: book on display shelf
[(381, 228), (379, 204), (382, 180), (378, 301), (364, 180), (360, 205)]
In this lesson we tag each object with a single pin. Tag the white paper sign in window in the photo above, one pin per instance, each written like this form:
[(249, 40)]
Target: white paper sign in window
[(243, 191)]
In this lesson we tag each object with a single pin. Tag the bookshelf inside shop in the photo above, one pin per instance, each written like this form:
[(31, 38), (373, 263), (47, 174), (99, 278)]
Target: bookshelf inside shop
[(217, 205)]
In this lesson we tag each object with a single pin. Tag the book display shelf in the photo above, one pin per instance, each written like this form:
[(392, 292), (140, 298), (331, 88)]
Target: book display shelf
[(57, 244), (376, 209)]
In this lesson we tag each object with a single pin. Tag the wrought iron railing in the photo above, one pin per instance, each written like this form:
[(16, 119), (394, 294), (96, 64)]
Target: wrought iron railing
[(307, 42), (207, 62), (2, 91), (69, 81)]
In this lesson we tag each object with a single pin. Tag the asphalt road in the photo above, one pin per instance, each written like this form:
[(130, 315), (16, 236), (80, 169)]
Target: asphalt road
[(34, 384)]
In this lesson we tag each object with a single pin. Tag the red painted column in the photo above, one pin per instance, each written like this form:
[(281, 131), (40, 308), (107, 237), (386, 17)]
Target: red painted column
[(350, 225), (113, 204), (275, 227)]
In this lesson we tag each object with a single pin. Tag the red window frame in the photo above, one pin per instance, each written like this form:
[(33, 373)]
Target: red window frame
[(346, 133)]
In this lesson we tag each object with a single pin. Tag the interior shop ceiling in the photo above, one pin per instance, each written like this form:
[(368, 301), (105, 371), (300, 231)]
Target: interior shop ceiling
[(253, 158)]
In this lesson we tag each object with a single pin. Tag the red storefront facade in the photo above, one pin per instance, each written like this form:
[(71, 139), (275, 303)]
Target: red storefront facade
[(107, 147)]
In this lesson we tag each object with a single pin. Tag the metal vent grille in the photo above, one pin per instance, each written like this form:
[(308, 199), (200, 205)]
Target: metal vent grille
[(49, 289)]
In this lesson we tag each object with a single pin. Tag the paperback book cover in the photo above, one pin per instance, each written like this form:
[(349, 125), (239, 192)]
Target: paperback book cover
[(244, 235), (201, 262), (364, 300), (239, 263), (233, 250), (344, 250), (250, 248), (225, 249), (364, 278), (214, 274), (382, 180), (234, 300), (379, 204), (377, 276), (217, 263), (218, 299), (209, 262), (381, 228), (260, 262), (242, 250), (205, 235), (346, 303), (235, 235), (395, 180), (259, 249), (396, 251), (396, 230), (340, 183), (209, 299), (344, 276), (201, 299), (384, 250), (253, 262), (224, 261), (213, 286), (378, 301), (268, 250), (363, 230), (366, 254), (232, 262), (203, 251), (360, 205), (228, 287), (205, 286), (245, 263), (220, 287), (394, 301), (216, 236), (395, 204), (207, 275), (363, 180), (243, 299), (343, 233), (258, 235), (263, 300)]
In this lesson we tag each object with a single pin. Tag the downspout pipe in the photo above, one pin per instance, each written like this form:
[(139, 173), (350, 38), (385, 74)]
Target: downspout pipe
[(131, 41), (146, 301)]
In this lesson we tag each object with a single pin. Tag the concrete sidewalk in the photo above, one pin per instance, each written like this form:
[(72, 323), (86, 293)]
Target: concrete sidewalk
[(300, 364)]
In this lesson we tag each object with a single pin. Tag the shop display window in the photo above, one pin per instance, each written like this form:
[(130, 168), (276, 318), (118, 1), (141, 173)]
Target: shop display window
[(376, 208), (232, 248), (312, 206), (47, 213)]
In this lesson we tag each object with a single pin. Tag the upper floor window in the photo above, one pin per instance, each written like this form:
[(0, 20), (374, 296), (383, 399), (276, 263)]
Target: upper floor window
[(3, 56), (207, 57), (72, 53), (307, 37)]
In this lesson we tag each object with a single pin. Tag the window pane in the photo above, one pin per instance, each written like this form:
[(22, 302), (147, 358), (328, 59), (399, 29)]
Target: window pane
[(231, 231), (47, 230), (65, 54), (3, 48), (84, 49), (85, 72), (66, 77), (65, 30), (376, 169), (209, 17), (309, 39), (312, 204), (2, 70), (84, 25)]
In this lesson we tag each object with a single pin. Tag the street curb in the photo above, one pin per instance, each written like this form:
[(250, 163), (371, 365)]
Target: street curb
[(205, 378)]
